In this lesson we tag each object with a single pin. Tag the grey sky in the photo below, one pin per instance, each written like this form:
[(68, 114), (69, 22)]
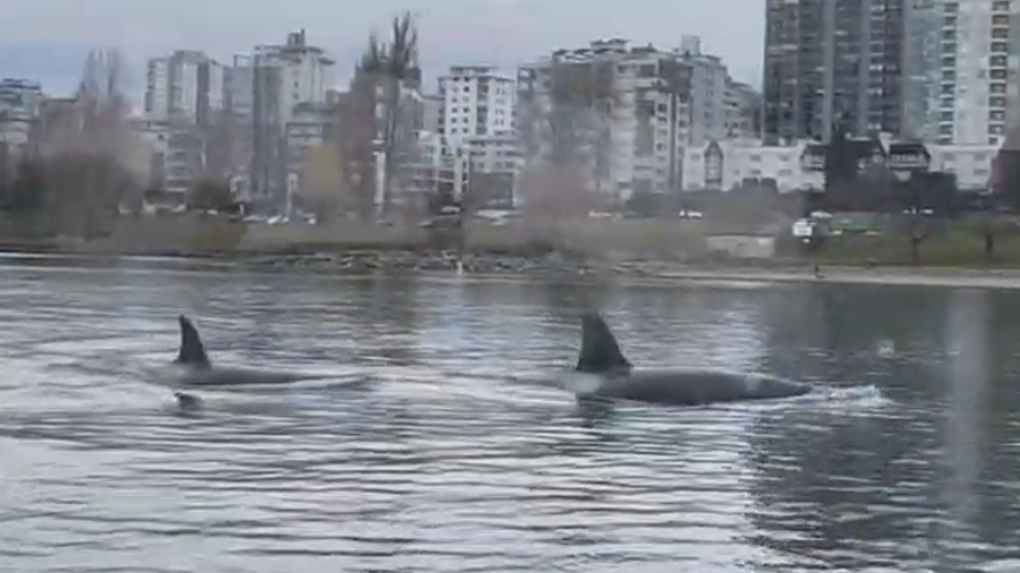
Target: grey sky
[(51, 35)]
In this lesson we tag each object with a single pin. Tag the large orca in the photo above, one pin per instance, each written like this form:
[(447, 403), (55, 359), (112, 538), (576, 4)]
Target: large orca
[(195, 370), (616, 378)]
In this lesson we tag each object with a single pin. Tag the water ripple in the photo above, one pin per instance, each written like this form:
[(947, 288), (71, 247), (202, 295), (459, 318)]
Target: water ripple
[(429, 452)]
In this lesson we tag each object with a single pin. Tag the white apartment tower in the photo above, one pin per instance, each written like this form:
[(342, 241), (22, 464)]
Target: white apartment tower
[(477, 102), (477, 122), (709, 81), (295, 73), (187, 85), (968, 60), (284, 79)]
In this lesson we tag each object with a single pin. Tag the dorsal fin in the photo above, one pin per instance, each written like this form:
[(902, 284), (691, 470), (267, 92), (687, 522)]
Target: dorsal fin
[(600, 352), (192, 352)]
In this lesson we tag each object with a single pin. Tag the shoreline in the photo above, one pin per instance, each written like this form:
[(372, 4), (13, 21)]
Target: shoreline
[(563, 266)]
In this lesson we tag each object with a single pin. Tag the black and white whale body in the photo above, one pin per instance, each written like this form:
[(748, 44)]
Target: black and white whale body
[(195, 370), (617, 379)]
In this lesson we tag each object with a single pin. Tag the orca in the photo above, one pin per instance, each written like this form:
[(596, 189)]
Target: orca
[(616, 378), (195, 370)]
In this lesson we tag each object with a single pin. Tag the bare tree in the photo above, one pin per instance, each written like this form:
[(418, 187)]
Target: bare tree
[(218, 140), (89, 156), (210, 194), (356, 152), (575, 125), (381, 111), (323, 183), (556, 192)]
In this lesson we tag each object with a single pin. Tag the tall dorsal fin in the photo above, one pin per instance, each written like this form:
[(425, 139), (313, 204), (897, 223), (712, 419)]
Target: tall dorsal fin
[(192, 352), (600, 352)]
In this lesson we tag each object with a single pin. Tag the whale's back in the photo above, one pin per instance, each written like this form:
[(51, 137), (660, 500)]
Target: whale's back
[(219, 376), (695, 387)]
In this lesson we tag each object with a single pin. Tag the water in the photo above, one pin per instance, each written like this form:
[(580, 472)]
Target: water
[(432, 448)]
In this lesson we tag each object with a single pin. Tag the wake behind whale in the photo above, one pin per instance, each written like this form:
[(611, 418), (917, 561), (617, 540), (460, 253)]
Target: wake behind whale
[(602, 371)]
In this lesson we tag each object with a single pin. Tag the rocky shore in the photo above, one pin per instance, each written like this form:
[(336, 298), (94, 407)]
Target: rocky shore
[(550, 264), (361, 262), (567, 265)]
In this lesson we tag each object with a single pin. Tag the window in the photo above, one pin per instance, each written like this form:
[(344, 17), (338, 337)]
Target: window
[(997, 115), (946, 129), (997, 61), (949, 20), (948, 61), (951, 7), (997, 88), (997, 101), (947, 89), (996, 129), (948, 35), (948, 75), (1000, 6), (946, 116), (1000, 33), (1000, 47), (1000, 20), (998, 74)]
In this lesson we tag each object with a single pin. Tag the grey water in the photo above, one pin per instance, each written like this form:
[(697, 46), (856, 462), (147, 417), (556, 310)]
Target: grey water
[(434, 449)]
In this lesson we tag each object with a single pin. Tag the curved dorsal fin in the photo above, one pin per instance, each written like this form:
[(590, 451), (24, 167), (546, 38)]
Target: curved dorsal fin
[(600, 352), (192, 352)]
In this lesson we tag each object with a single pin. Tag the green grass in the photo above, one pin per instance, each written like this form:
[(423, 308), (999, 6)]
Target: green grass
[(958, 246), (218, 237)]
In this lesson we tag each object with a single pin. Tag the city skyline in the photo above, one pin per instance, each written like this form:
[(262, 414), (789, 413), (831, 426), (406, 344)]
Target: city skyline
[(41, 42)]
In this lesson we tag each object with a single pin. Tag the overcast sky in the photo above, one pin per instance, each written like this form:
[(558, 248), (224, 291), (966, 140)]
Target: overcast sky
[(49, 38)]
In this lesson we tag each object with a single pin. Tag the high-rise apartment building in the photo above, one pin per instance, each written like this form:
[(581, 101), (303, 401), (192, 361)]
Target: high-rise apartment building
[(283, 77), (708, 86), (477, 101), (478, 120), (20, 102), (623, 112), (742, 111), (833, 60), (965, 70), (187, 86), (432, 113)]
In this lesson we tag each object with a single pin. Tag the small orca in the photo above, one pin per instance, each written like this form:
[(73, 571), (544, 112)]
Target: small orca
[(601, 357), (195, 370)]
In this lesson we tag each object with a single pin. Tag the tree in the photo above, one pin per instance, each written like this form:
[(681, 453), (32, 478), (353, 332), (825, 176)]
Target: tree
[(323, 182), (24, 191), (87, 152), (555, 192), (382, 111), (1006, 169), (576, 127), (218, 137), (645, 204), (209, 194)]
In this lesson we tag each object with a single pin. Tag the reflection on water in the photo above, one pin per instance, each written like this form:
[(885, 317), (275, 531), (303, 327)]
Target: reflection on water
[(426, 451)]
